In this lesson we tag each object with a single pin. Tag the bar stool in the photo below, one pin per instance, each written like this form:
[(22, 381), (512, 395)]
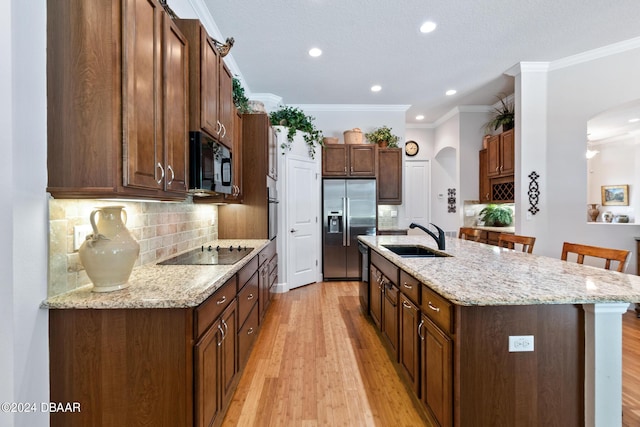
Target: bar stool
[(607, 254), (510, 240), (468, 233)]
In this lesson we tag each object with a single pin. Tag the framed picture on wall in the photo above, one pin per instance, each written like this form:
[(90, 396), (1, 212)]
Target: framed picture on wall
[(615, 195)]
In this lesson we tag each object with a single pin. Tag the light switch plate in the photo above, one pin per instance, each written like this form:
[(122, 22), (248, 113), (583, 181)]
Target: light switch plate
[(80, 233)]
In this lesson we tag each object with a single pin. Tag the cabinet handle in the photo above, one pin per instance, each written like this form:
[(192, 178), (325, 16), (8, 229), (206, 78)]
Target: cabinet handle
[(249, 331), (173, 175), (345, 170), (501, 168), (221, 301), (224, 131), (249, 297), (406, 304), (226, 328), (497, 168), (162, 173), (218, 127), (433, 307), (419, 328), (407, 286), (221, 334)]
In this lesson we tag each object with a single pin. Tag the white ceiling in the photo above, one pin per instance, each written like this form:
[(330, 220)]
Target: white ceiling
[(367, 42)]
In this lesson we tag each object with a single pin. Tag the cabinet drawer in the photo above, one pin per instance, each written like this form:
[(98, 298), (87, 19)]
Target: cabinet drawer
[(385, 266), (438, 309), (247, 297), (211, 308), (409, 286), (247, 335), (391, 293), (267, 253), (247, 272)]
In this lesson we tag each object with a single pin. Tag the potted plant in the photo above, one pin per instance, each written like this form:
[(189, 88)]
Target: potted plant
[(502, 116), (496, 215), (383, 137), (239, 98), (295, 119)]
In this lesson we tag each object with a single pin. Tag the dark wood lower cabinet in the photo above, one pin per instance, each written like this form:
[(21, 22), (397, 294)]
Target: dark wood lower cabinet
[(173, 367), (409, 342), (390, 318), (375, 296), (436, 371)]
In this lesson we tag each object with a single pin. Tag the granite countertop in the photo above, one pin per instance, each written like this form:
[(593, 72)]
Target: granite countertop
[(480, 274), (160, 286)]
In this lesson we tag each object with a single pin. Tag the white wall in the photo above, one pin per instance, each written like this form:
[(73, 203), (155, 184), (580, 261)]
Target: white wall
[(576, 93), (23, 213)]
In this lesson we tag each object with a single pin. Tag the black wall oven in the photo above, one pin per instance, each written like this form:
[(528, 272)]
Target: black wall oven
[(210, 167)]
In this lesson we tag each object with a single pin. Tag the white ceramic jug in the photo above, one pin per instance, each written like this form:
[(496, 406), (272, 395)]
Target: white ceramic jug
[(109, 253)]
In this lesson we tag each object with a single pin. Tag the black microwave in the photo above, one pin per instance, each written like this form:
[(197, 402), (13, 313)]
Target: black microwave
[(210, 168)]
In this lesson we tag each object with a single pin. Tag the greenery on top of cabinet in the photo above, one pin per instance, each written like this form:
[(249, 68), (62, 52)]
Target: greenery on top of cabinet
[(295, 119)]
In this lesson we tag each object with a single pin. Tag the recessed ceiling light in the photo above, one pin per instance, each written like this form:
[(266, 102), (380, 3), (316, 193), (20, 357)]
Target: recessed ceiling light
[(315, 52), (451, 92), (428, 27), (634, 120), (376, 88), (420, 117)]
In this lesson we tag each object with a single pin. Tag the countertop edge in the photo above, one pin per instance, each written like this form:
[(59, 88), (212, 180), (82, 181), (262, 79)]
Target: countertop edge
[(201, 282)]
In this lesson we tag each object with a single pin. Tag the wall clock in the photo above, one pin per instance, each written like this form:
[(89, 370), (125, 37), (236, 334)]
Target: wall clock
[(411, 148)]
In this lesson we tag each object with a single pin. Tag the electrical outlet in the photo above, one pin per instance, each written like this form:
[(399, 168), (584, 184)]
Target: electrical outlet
[(80, 233), (520, 343)]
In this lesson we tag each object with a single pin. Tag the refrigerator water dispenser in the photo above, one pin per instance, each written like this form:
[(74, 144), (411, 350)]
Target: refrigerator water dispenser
[(335, 222)]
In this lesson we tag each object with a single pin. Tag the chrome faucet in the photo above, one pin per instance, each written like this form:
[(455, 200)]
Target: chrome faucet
[(439, 239)]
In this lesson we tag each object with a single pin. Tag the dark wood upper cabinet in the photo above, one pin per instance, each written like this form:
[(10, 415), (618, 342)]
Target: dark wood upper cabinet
[(117, 81), (390, 176), (484, 190), (500, 154), (354, 160)]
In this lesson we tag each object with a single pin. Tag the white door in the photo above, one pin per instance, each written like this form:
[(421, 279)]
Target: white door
[(303, 230), (416, 196)]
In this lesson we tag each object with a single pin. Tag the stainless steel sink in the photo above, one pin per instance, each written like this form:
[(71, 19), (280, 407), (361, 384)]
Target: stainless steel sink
[(415, 251)]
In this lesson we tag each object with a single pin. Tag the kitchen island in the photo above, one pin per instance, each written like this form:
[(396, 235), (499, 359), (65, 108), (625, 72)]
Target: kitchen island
[(477, 305)]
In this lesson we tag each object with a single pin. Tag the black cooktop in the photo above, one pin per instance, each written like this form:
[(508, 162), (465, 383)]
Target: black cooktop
[(210, 255)]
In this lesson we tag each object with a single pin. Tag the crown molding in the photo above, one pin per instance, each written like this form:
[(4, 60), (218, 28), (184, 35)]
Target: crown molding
[(461, 109), (594, 54), (353, 107)]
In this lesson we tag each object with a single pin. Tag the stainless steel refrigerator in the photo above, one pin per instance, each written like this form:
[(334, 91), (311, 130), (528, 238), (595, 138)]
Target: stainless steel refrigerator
[(349, 210)]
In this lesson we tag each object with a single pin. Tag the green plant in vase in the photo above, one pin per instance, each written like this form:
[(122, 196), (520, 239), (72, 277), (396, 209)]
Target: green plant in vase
[(383, 137), (496, 215), (295, 119), (240, 100), (502, 116)]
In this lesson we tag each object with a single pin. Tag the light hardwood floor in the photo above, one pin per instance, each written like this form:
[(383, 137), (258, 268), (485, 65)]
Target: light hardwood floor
[(319, 361)]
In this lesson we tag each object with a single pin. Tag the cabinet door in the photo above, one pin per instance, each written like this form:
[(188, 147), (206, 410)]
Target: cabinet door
[(363, 160), (507, 146), (209, 81), (335, 160), (142, 94), (375, 296), (263, 281), (225, 106), (484, 191), (236, 158), (207, 355), (390, 318), (390, 176), (176, 115), (409, 341), (493, 156), (437, 369), (228, 359)]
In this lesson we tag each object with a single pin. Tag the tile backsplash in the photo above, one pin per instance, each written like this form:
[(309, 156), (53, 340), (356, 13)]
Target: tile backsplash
[(161, 228)]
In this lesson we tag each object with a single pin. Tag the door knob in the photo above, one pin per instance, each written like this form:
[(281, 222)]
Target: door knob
[(293, 230)]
